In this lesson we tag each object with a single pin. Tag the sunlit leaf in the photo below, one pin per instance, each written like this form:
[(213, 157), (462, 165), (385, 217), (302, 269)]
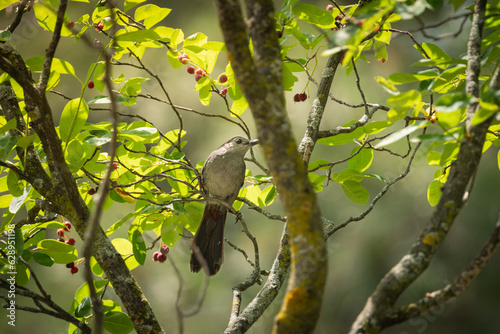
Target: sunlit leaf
[(117, 323), (434, 192), (355, 192), (73, 118), (59, 251)]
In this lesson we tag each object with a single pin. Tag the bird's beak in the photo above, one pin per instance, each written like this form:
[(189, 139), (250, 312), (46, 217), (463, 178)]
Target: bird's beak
[(253, 142)]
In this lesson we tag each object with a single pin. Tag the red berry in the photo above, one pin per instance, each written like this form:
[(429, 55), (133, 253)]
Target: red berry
[(91, 191), (60, 232), (164, 249), (190, 69), (100, 25), (71, 241), (68, 226), (198, 77), (71, 24), (223, 91), (115, 166), (223, 78), (200, 72), (329, 7), (74, 270), (155, 256), (303, 96), (184, 61), (60, 240), (90, 84), (162, 258), (70, 265), (279, 33), (296, 97)]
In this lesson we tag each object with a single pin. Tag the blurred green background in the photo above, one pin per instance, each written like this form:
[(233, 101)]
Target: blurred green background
[(359, 255)]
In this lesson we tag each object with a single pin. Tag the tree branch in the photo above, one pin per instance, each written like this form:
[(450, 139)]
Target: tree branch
[(260, 79), (51, 50), (414, 263), (452, 290)]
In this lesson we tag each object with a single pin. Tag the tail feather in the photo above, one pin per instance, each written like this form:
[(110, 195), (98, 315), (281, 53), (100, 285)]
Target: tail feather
[(207, 245)]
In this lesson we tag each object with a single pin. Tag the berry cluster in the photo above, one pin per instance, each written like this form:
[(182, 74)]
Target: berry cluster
[(70, 241), (62, 236), (300, 97), (92, 191), (72, 267), (200, 73), (161, 256)]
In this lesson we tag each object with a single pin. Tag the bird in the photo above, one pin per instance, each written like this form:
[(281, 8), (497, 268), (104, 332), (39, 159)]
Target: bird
[(222, 177)]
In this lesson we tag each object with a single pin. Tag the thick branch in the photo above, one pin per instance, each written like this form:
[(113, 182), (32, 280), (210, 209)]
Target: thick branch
[(452, 290), (261, 83), (414, 263)]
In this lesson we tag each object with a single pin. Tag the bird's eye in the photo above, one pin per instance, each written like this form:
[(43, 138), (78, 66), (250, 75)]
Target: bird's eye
[(239, 141)]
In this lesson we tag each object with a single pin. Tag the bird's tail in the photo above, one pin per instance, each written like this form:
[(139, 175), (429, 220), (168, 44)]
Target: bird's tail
[(206, 248)]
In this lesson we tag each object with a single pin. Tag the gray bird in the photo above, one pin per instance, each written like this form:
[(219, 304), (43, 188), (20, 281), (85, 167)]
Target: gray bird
[(222, 176)]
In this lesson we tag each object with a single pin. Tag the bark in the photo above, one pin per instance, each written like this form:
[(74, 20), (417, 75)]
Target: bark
[(260, 79)]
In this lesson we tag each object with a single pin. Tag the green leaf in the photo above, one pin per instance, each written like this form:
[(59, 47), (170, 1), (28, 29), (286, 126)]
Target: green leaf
[(434, 192), (362, 160), (118, 224), (433, 158), (388, 86), (117, 323), (125, 248), (434, 52), (405, 100), (267, 196), (59, 251), (214, 46), (35, 64), (43, 259), (151, 14), (288, 78), (14, 186), (18, 238), (394, 137), (73, 118), (498, 159), (485, 111), (17, 202), (7, 143), (129, 4), (239, 106), (6, 3), (452, 102), (98, 137), (433, 137), (11, 124), (355, 192), (84, 309), (137, 36), (403, 78), (314, 15), (171, 230), (46, 16), (348, 174), (76, 155), (139, 247), (343, 138), (96, 268)]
